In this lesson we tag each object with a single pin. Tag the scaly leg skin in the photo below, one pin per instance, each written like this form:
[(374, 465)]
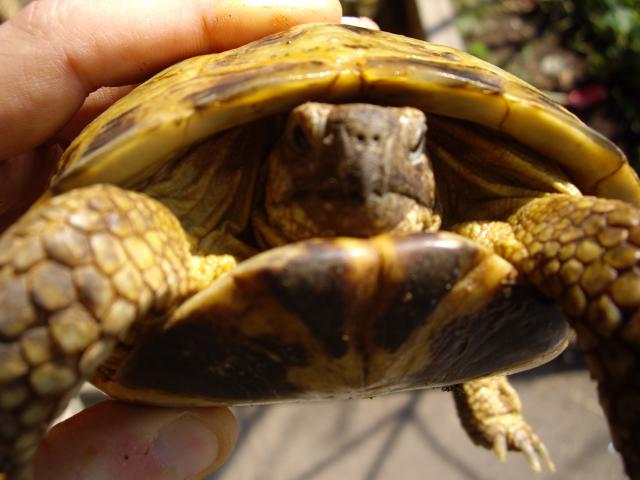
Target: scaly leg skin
[(584, 252), (491, 413), (74, 275)]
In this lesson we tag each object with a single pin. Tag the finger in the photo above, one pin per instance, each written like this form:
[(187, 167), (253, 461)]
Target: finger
[(117, 440), (55, 52), (22, 180), (24, 177), (96, 103)]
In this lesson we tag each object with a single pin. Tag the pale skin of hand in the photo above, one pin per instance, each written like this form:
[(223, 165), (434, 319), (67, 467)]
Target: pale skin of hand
[(64, 62)]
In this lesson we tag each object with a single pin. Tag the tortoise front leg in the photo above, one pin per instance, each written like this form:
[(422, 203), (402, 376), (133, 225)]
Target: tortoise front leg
[(75, 274), (585, 253), (491, 413)]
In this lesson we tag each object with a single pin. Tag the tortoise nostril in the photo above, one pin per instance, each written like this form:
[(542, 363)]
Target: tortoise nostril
[(350, 181), (300, 139), (364, 138)]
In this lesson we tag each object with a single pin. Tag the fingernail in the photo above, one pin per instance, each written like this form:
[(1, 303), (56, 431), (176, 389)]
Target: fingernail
[(185, 447)]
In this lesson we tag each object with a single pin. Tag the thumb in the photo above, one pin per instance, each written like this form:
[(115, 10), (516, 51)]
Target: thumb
[(117, 440)]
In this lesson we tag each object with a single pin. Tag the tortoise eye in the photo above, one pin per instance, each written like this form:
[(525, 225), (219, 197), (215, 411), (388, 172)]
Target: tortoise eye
[(418, 145), (299, 138)]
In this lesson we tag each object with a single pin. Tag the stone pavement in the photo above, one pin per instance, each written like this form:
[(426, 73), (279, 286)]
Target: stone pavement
[(416, 435)]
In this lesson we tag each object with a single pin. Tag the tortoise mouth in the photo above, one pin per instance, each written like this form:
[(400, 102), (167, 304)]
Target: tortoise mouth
[(328, 212), (332, 193), (357, 215)]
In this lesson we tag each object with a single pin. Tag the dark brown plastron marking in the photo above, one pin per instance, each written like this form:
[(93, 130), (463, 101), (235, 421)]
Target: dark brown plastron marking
[(112, 129), (510, 331), (426, 280), (206, 357), (315, 289)]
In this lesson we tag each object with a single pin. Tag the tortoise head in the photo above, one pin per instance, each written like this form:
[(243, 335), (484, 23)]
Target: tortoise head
[(348, 169)]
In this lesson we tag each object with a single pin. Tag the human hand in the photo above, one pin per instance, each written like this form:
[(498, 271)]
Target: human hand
[(63, 62), (130, 442)]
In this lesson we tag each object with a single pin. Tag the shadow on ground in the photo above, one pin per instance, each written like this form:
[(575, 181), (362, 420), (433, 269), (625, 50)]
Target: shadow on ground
[(416, 435)]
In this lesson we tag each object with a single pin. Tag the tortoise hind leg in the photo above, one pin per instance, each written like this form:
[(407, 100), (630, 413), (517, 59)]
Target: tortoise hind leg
[(491, 413), (74, 275), (585, 253)]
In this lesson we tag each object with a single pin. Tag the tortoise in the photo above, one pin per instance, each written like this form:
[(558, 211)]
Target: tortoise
[(327, 212)]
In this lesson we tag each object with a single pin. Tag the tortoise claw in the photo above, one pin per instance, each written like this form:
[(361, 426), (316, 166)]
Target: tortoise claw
[(491, 413), (544, 455), (531, 456), (500, 447), (520, 437)]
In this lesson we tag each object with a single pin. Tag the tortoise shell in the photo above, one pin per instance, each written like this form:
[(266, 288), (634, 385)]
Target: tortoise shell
[(196, 98), (336, 317)]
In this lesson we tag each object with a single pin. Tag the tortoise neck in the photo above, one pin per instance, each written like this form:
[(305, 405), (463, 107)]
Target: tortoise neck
[(212, 188)]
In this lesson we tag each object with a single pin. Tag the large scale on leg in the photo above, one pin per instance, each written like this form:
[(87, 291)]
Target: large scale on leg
[(309, 253)]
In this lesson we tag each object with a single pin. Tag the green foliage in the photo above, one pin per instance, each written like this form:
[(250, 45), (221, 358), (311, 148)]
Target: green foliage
[(479, 49), (607, 32)]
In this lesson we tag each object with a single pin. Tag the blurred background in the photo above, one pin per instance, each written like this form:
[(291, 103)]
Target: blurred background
[(583, 53), (586, 55)]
